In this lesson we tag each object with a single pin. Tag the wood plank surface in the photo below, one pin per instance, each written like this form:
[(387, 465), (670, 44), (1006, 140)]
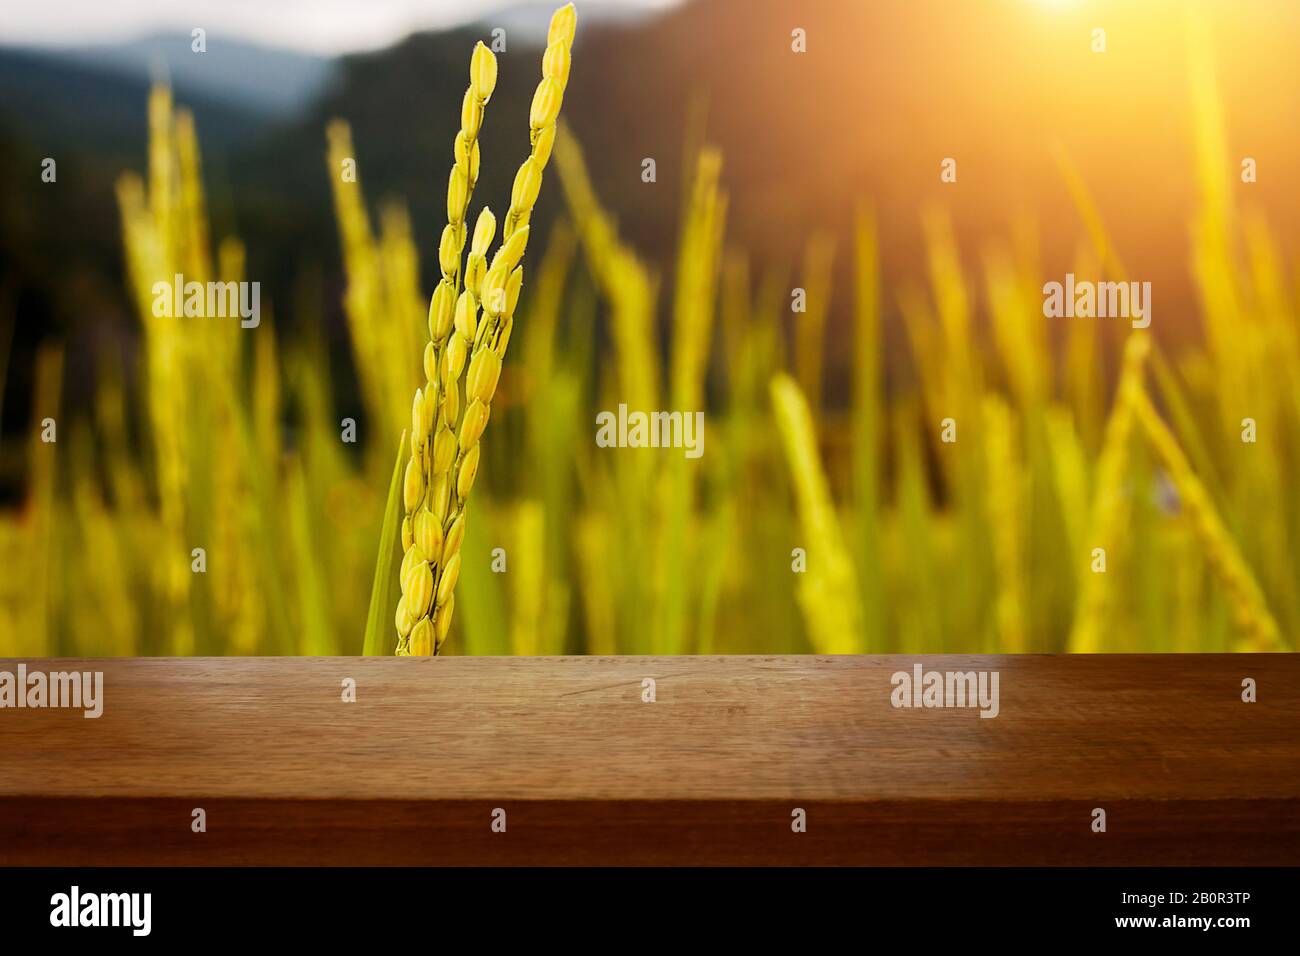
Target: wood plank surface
[(710, 772)]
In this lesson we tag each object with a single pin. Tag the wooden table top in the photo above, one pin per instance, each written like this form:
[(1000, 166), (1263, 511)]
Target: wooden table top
[(711, 771)]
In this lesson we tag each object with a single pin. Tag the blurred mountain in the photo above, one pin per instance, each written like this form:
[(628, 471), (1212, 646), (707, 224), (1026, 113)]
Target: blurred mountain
[(527, 22), (61, 104), (886, 90), (883, 94), (257, 78)]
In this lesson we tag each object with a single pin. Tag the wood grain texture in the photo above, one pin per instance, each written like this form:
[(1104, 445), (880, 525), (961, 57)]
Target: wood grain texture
[(708, 773)]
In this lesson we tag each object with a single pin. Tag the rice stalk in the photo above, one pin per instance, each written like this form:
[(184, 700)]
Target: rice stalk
[(108, 614), (1110, 504), (1259, 629), (376, 640), (624, 280), (866, 422), (828, 588), (553, 411), (152, 236), (528, 580), (699, 259), (959, 392), (382, 297), (629, 496), (315, 632), (435, 412), (920, 618), (1070, 471), (43, 584), (810, 326), (1006, 507), (444, 441)]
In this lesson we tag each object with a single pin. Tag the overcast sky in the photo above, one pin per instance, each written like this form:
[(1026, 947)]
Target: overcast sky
[(321, 26)]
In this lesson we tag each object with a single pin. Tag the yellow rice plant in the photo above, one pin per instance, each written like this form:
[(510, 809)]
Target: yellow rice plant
[(660, 496), (193, 370), (526, 625), (382, 299), (1007, 506), (154, 246), (1260, 632), (954, 385), (1070, 471), (31, 588), (1110, 505), (624, 280), (810, 325), (828, 588), (868, 424), (551, 392), (106, 612), (698, 263), (444, 444), (909, 542), (981, 544)]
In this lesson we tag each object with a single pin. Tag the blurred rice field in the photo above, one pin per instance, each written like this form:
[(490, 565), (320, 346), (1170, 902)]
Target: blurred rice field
[(808, 525)]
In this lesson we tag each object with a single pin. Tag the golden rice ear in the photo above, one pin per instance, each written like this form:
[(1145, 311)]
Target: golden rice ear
[(440, 310), (450, 575), (466, 316), (441, 472), (484, 371), (422, 638), (556, 62), (564, 23), (457, 352), (527, 186), (439, 499), (546, 104), (543, 143), (466, 153), (420, 591), (514, 285), (455, 537), (471, 115), (471, 427), (483, 72), (410, 561), (429, 413), (403, 620), (444, 450), (428, 535), (412, 485), (494, 289), (451, 399), (468, 472), (419, 427), (442, 623), (513, 251), (457, 191), (484, 229), (828, 592), (1246, 598), (449, 250)]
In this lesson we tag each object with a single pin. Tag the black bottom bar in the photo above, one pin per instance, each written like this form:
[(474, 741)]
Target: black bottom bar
[(624, 906)]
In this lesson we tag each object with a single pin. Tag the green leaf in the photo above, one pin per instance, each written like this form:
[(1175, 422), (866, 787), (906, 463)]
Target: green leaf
[(380, 639)]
